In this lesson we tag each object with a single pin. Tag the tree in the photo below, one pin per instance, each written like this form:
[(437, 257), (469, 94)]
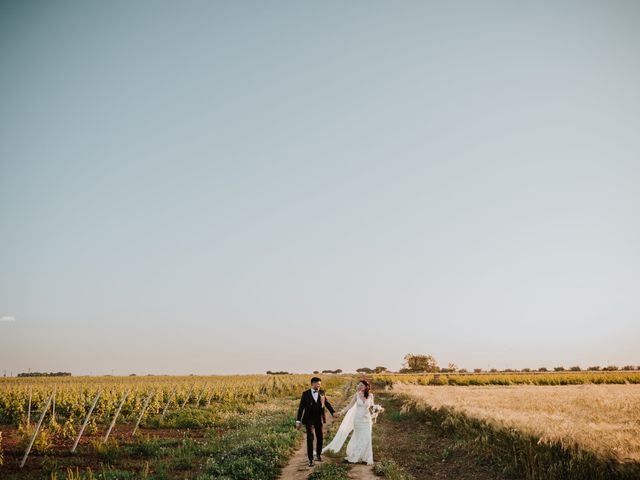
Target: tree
[(420, 363), (364, 370), (452, 367)]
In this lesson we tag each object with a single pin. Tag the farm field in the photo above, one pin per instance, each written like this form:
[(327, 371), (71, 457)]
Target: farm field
[(584, 429), (513, 378), (553, 425), (189, 427)]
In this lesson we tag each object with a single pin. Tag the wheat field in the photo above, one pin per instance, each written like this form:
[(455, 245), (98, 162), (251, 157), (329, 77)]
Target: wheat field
[(604, 419)]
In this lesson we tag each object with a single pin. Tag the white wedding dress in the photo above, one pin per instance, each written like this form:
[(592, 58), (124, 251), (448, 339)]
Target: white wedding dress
[(357, 419)]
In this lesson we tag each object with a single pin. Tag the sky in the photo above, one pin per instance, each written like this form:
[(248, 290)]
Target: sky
[(236, 187)]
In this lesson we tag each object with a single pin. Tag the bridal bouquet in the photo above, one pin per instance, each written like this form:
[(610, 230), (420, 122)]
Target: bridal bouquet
[(375, 411)]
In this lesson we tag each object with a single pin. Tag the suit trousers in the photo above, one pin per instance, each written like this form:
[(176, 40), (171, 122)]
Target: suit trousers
[(317, 426)]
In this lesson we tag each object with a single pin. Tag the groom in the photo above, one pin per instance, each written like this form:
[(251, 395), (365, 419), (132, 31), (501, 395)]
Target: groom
[(311, 413)]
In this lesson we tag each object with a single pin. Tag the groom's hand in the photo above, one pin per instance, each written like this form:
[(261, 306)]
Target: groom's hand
[(335, 414)]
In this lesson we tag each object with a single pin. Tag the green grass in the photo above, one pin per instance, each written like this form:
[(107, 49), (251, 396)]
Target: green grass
[(389, 469), (330, 471)]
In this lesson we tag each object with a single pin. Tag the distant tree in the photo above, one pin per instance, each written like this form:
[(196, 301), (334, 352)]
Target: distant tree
[(594, 368), (558, 369), (628, 367), (477, 370), (462, 370), (380, 369), (611, 368), (316, 372), (452, 367), (493, 370), (526, 370), (543, 369), (508, 370), (575, 368), (420, 363), (364, 370), (269, 372)]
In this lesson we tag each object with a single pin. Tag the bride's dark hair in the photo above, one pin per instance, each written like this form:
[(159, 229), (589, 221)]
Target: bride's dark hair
[(367, 388)]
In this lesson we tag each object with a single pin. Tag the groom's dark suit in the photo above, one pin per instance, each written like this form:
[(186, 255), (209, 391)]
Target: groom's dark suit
[(311, 414)]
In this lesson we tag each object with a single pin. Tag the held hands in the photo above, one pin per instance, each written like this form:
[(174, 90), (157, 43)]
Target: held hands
[(298, 424), (335, 414)]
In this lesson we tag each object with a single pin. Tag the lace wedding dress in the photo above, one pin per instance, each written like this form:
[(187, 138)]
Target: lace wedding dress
[(359, 420)]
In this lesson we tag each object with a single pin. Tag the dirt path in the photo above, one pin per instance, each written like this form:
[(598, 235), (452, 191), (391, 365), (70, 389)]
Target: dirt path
[(298, 469)]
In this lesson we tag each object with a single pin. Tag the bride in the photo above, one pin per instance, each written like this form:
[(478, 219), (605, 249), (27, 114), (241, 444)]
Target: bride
[(358, 417)]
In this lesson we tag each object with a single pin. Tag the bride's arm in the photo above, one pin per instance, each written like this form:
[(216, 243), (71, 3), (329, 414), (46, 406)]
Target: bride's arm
[(345, 409)]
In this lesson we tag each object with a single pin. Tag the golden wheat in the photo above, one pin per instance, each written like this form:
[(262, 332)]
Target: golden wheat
[(604, 419)]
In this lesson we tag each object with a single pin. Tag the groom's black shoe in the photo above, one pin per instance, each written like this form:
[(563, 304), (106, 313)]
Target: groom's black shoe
[(319, 459), (311, 464)]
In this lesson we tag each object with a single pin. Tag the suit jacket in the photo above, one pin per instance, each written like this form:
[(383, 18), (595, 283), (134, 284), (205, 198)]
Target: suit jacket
[(310, 411)]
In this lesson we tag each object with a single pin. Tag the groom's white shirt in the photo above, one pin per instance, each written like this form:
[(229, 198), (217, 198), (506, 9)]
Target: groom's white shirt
[(314, 394)]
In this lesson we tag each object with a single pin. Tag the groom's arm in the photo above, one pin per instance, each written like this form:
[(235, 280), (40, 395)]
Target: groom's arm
[(328, 405), (300, 408)]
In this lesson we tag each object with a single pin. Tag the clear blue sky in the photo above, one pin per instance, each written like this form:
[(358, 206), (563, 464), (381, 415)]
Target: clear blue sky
[(209, 187)]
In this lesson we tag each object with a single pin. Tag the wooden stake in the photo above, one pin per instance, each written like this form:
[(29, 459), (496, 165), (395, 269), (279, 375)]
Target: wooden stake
[(210, 396), (144, 407), (53, 407), (164, 410), (29, 409), (33, 438), (200, 395), (115, 417), (86, 420), (188, 395)]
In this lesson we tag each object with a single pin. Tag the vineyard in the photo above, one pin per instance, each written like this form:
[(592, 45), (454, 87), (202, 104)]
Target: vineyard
[(516, 378), (147, 427)]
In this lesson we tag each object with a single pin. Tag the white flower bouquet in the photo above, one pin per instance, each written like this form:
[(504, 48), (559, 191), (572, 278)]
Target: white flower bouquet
[(375, 411)]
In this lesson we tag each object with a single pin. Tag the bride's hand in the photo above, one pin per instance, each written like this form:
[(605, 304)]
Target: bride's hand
[(335, 414)]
